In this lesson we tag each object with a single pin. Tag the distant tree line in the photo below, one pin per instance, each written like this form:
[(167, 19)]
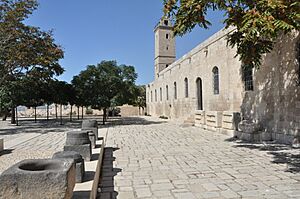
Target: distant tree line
[(29, 63)]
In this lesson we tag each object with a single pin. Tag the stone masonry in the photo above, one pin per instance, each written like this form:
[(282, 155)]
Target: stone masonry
[(268, 98)]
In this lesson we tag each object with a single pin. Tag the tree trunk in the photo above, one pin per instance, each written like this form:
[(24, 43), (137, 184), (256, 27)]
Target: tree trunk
[(47, 112), (13, 115), (35, 114), (61, 115), (56, 111), (82, 112), (5, 115), (78, 113), (17, 121), (104, 116), (71, 114)]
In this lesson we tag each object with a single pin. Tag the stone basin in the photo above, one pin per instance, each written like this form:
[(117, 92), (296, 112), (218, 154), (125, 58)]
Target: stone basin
[(40, 166), (40, 178)]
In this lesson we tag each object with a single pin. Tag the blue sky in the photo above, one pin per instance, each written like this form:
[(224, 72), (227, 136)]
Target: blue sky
[(96, 30)]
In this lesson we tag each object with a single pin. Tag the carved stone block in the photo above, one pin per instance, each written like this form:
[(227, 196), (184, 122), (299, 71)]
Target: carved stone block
[(36, 179), (90, 125), (84, 150), (77, 158)]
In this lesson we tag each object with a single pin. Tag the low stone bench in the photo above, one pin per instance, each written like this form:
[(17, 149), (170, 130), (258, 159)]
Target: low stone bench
[(249, 131), (1, 145), (230, 121), (77, 158), (200, 118), (39, 178), (213, 120)]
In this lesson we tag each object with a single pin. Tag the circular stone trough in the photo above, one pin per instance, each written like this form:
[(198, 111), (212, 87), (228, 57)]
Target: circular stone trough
[(39, 178)]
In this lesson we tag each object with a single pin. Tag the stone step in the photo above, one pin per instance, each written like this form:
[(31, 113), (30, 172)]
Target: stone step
[(190, 120)]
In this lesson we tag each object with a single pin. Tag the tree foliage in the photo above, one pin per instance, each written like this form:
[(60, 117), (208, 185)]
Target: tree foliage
[(105, 84), (24, 48), (258, 23), (127, 89), (28, 57), (140, 100)]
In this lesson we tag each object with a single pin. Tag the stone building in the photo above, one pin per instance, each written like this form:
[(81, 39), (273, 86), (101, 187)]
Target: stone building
[(209, 86)]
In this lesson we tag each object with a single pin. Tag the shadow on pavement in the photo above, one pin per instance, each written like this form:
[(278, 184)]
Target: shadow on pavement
[(281, 153), (6, 151), (132, 121), (108, 172), (42, 126)]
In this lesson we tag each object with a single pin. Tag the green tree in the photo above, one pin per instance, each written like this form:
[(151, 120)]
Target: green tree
[(24, 51), (141, 97), (61, 94), (258, 23), (80, 100), (5, 102), (127, 89), (104, 85), (25, 48), (70, 93)]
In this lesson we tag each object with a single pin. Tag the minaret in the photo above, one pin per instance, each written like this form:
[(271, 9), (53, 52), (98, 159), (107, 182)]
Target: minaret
[(165, 53)]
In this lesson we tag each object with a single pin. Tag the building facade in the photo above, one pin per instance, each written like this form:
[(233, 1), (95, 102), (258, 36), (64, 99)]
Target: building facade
[(210, 86)]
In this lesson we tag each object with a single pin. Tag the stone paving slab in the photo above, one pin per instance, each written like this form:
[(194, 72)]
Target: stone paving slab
[(32, 140), (151, 158)]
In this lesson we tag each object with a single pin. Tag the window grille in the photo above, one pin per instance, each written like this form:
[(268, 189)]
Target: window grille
[(216, 80), (248, 78)]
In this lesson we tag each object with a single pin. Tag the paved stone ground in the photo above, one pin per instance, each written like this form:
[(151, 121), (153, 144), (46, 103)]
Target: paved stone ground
[(32, 140), (152, 159)]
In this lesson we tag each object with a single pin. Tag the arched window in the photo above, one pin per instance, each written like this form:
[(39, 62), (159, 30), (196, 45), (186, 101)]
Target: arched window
[(216, 80), (167, 92), (160, 94), (175, 90), (151, 96), (155, 95), (186, 87), (248, 78)]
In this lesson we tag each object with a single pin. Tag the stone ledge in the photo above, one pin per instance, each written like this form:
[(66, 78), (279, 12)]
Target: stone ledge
[(89, 188)]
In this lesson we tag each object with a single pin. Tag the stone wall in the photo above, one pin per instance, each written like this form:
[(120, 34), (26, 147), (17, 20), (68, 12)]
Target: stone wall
[(128, 110), (198, 63), (274, 102), (41, 111)]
